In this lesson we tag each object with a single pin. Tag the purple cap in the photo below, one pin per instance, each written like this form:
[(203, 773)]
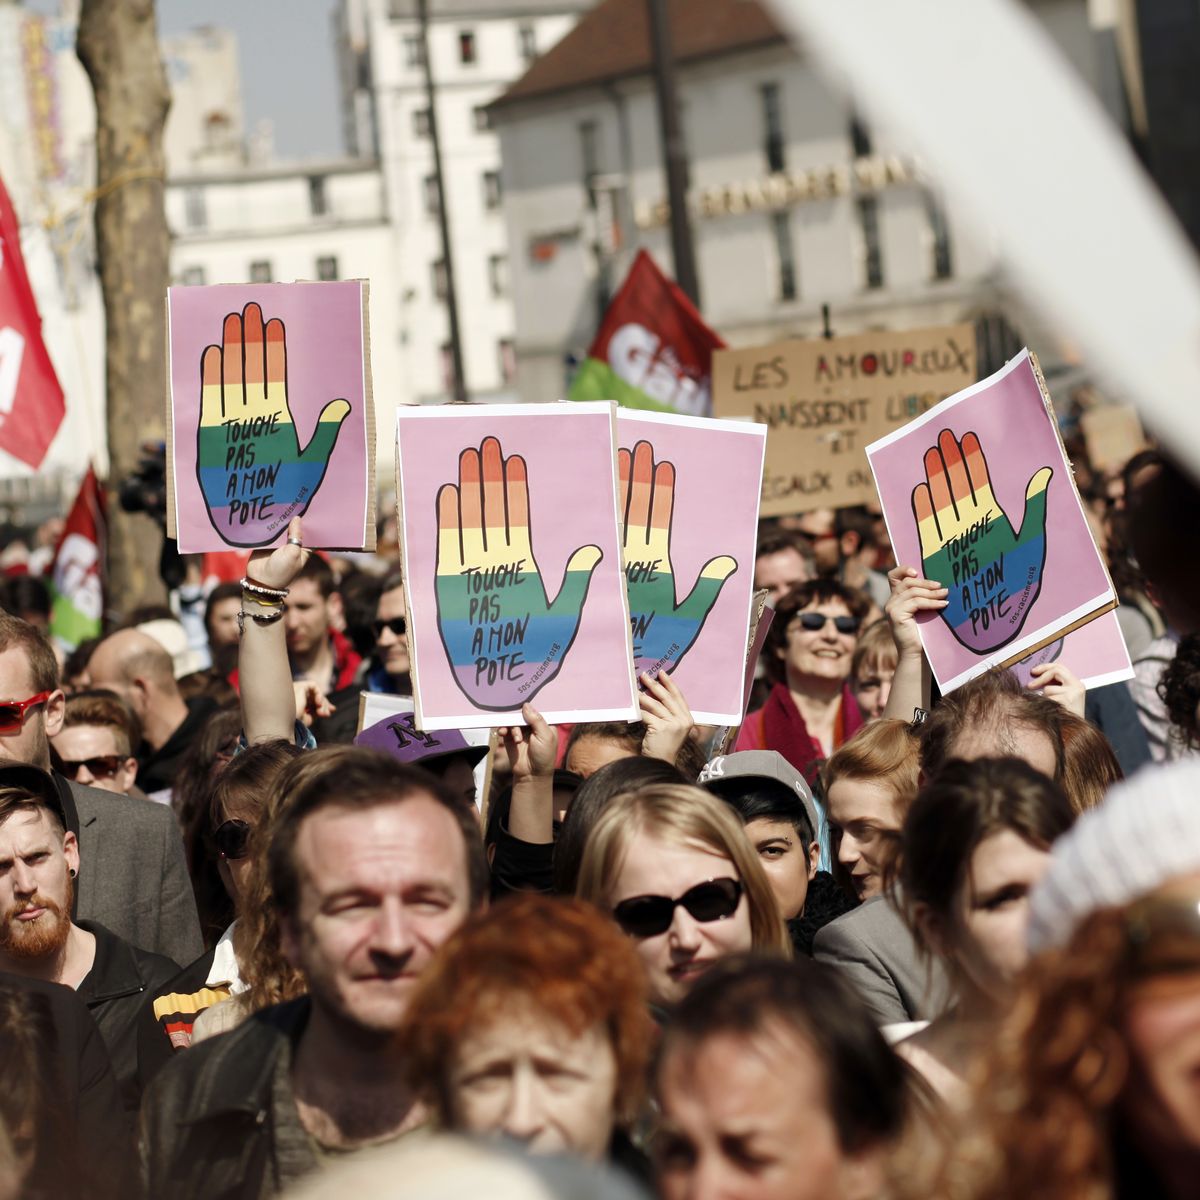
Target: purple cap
[(399, 737)]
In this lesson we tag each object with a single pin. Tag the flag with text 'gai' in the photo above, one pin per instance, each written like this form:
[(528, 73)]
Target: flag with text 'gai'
[(31, 400), (76, 574), (653, 349)]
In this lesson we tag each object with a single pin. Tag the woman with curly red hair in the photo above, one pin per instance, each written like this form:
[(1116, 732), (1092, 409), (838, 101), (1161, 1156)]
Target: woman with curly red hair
[(533, 1022)]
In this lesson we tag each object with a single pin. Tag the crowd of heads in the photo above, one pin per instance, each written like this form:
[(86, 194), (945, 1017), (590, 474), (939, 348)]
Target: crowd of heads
[(875, 943)]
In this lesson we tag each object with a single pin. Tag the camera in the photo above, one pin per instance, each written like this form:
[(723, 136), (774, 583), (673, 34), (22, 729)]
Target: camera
[(145, 489)]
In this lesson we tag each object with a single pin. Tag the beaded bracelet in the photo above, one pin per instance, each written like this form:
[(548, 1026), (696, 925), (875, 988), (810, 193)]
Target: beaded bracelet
[(261, 589), (259, 618)]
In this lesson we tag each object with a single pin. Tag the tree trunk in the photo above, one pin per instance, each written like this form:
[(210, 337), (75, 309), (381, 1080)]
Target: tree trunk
[(118, 46)]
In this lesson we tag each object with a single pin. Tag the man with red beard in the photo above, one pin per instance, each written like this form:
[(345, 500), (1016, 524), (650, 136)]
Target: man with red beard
[(39, 861)]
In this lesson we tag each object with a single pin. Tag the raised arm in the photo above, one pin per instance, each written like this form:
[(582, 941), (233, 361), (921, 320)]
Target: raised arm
[(910, 595), (264, 677)]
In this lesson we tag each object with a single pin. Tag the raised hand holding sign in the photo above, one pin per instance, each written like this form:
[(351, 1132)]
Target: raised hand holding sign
[(253, 472), (664, 629), (504, 639), (993, 571)]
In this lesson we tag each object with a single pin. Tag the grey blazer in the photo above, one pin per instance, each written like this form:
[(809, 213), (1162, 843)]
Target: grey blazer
[(133, 877), (875, 952)]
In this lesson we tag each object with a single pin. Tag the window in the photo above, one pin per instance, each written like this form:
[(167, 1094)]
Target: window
[(260, 271), (860, 138), (868, 219), (772, 113), (498, 274), (506, 355), (421, 122), (589, 154), (432, 200), (317, 204), (466, 46), (943, 259), (785, 254), (192, 277), (327, 267), (194, 207), (414, 55), (527, 43), (491, 189), (440, 278), (446, 363), (482, 117)]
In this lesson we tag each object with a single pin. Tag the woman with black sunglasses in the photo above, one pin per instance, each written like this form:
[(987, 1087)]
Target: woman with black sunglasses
[(810, 711), (673, 865)]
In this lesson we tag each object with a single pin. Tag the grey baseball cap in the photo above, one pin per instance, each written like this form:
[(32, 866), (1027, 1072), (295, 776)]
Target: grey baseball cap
[(728, 774)]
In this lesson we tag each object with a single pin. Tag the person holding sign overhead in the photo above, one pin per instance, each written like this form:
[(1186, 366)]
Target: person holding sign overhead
[(810, 711)]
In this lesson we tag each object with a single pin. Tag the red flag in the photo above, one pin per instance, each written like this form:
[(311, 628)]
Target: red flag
[(31, 400), (653, 349), (76, 574)]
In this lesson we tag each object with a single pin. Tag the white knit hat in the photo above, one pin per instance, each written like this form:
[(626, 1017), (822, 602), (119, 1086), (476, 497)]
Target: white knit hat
[(1146, 833)]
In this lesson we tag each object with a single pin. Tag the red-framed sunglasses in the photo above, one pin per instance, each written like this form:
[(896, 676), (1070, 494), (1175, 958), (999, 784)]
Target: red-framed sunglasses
[(12, 712)]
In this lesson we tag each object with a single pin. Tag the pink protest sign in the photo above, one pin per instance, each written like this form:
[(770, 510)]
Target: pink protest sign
[(688, 500), (978, 494), (512, 563), (269, 415), (1095, 652)]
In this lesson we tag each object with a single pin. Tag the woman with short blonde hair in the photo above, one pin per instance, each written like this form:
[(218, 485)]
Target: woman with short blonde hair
[(673, 865)]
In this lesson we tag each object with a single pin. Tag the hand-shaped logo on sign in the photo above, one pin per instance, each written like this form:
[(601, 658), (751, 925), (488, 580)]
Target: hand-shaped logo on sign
[(968, 544), (663, 630), (252, 471), (504, 639)]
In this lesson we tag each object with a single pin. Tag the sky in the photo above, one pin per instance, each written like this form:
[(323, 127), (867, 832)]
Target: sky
[(288, 65)]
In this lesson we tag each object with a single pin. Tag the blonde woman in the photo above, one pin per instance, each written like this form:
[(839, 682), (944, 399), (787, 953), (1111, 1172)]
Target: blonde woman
[(673, 865)]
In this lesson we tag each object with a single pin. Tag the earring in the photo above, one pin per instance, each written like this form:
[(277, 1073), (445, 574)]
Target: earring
[(71, 872)]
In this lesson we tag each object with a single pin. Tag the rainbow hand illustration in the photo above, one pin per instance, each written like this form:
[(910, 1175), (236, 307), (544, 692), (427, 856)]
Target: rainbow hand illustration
[(252, 471), (504, 639), (969, 545), (663, 630)]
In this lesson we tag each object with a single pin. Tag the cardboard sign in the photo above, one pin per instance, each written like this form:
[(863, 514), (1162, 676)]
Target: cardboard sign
[(824, 401), (978, 494), (512, 561), (269, 416), (688, 499), (1096, 652), (1113, 434)]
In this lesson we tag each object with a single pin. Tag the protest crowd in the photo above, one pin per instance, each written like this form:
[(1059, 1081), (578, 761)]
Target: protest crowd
[(877, 942), (768, 773)]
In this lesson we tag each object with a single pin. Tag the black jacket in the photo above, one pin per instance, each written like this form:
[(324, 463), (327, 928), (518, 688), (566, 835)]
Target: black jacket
[(161, 1037), (114, 991), (90, 1155), (157, 768), (206, 1124)]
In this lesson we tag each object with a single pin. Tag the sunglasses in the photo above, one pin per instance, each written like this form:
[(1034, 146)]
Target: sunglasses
[(12, 712), (648, 916), (103, 766), (231, 839), (398, 625), (812, 621)]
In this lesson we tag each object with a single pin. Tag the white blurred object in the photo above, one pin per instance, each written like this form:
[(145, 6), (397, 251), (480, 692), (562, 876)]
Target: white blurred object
[(1002, 122), (172, 637)]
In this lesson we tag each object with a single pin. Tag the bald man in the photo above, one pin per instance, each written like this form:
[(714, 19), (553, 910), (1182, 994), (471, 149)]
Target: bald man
[(141, 672)]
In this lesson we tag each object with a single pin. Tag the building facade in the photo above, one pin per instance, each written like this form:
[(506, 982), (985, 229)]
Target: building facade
[(476, 48), (800, 212)]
